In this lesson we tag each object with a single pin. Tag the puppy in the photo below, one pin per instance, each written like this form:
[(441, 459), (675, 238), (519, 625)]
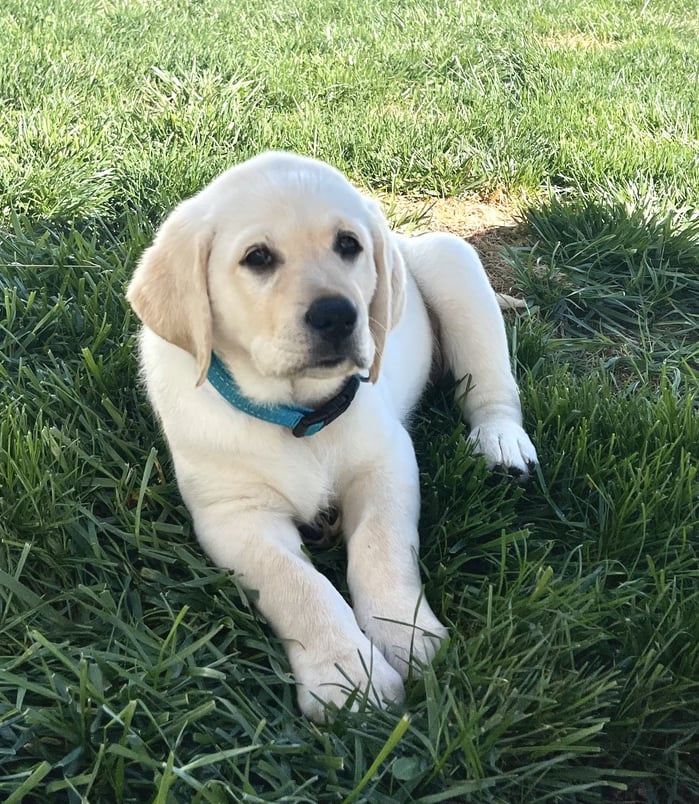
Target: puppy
[(285, 339)]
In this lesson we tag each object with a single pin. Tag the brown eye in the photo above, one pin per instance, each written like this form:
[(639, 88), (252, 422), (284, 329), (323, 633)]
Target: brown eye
[(260, 258), (347, 246)]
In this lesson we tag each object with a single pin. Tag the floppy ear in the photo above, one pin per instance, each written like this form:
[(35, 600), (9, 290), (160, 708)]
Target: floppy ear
[(388, 302), (168, 290)]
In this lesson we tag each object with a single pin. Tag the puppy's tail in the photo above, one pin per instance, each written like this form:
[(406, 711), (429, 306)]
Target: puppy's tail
[(510, 302)]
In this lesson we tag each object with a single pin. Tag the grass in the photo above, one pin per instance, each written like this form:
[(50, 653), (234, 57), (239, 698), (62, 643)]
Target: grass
[(133, 670)]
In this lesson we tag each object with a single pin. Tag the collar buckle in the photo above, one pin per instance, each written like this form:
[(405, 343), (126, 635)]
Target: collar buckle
[(315, 420)]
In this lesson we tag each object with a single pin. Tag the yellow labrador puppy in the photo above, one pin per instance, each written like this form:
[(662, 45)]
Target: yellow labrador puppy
[(266, 300)]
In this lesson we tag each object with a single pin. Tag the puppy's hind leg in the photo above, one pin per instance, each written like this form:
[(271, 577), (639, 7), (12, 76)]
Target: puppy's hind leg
[(474, 346)]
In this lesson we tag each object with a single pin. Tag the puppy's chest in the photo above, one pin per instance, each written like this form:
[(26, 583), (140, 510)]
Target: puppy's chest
[(308, 476)]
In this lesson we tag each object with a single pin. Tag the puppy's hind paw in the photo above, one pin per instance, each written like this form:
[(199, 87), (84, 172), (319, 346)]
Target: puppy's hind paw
[(506, 447)]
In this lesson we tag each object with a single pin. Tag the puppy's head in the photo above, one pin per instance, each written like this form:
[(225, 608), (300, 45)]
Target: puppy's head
[(279, 262)]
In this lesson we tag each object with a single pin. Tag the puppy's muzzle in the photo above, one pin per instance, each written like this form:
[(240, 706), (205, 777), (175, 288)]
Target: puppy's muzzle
[(332, 319)]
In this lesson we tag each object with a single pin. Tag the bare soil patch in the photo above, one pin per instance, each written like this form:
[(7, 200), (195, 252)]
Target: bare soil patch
[(490, 227)]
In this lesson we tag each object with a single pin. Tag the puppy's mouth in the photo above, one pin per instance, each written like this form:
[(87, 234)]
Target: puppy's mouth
[(330, 362), (325, 359), (330, 367), (315, 361)]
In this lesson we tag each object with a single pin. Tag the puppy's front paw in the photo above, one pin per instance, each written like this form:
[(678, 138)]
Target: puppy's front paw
[(403, 635), (333, 678), (505, 447)]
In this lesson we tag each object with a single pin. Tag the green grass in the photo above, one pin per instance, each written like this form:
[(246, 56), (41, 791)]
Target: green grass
[(133, 670)]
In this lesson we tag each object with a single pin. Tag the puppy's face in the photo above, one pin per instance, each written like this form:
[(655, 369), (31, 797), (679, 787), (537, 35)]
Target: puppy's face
[(292, 272), (279, 262)]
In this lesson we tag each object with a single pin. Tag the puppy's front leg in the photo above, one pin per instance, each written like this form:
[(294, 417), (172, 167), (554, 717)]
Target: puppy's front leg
[(328, 653), (380, 510)]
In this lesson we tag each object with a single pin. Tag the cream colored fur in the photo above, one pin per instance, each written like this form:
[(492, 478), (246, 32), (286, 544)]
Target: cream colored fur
[(249, 484)]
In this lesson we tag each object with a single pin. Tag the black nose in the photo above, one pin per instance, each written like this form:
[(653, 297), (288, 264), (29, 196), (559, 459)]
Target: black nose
[(333, 318)]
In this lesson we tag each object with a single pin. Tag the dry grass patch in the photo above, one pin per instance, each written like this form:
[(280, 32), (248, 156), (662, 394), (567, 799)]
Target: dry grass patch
[(576, 40)]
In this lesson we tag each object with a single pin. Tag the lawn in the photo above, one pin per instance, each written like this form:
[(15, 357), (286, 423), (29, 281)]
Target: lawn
[(133, 670)]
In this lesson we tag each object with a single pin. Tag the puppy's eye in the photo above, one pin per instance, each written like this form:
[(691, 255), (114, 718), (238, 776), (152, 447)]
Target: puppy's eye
[(347, 245), (261, 258)]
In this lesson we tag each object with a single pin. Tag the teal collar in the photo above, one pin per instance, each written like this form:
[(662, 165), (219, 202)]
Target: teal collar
[(300, 420)]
